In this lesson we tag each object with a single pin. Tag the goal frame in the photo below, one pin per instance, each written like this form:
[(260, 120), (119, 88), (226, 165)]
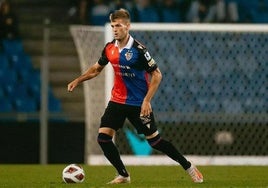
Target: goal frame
[(92, 159)]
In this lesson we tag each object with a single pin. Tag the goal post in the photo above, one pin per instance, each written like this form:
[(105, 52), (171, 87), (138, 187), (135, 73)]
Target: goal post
[(213, 97), (89, 42)]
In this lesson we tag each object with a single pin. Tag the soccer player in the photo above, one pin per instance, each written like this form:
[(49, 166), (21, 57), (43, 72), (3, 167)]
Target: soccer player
[(136, 80)]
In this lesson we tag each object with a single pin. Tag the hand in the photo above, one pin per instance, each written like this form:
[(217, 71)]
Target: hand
[(146, 108), (72, 85)]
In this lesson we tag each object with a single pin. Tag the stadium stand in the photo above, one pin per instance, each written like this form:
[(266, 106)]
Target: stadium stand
[(62, 51), (99, 13), (170, 13), (5, 104), (63, 60), (144, 11), (25, 55), (18, 78)]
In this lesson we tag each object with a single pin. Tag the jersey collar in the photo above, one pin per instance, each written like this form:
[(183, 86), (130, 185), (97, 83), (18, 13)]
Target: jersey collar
[(128, 45)]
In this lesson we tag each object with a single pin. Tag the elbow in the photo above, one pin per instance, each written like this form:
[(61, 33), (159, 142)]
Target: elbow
[(158, 75)]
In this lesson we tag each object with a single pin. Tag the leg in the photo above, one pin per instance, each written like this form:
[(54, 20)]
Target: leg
[(110, 151), (112, 120), (146, 125), (167, 148)]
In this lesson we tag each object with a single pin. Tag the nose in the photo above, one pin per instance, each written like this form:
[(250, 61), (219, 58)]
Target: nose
[(114, 29)]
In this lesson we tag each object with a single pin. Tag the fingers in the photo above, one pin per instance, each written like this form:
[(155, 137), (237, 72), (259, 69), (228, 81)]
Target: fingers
[(146, 109), (145, 113), (70, 87)]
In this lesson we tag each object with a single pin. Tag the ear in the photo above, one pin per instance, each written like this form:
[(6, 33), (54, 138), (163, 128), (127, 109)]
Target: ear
[(128, 26)]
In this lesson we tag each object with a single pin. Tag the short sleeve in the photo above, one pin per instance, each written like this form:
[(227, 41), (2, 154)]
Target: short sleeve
[(148, 62), (103, 60)]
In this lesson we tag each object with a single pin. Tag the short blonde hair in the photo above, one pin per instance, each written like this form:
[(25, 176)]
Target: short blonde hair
[(120, 14)]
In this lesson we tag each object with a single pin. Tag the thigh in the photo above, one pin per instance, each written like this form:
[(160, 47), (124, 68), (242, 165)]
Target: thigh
[(114, 116), (143, 125)]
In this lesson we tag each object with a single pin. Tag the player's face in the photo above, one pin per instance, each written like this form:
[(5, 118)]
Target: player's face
[(120, 29)]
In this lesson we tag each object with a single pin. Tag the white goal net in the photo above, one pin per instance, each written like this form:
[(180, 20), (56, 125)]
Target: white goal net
[(213, 97)]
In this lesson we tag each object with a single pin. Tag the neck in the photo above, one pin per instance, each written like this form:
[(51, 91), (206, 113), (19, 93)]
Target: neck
[(123, 42)]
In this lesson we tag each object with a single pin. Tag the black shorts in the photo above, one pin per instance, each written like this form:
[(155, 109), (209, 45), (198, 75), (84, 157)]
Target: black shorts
[(115, 115)]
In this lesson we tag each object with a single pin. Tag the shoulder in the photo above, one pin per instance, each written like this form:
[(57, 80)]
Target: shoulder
[(137, 44), (110, 43), (108, 46), (140, 47)]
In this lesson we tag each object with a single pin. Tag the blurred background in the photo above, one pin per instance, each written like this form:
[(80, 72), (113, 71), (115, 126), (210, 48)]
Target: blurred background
[(38, 58)]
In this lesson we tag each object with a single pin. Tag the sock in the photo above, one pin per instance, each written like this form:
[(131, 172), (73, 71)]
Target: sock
[(111, 153), (167, 148)]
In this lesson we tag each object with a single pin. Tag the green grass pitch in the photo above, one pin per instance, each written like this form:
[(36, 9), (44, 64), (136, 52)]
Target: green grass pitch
[(49, 176)]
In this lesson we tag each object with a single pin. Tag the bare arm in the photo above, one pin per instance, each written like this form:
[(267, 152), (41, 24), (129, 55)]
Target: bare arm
[(156, 78), (90, 73)]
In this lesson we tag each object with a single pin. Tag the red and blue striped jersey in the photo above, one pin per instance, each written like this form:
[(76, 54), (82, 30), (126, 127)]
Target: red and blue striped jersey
[(131, 66)]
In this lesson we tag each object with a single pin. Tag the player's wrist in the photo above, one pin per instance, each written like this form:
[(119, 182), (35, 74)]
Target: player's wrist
[(146, 100)]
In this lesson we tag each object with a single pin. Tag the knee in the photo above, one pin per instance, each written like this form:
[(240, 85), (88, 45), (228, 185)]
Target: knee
[(154, 141), (104, 138)]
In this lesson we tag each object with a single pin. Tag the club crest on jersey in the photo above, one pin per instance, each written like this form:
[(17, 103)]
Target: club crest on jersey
[(128, 55)]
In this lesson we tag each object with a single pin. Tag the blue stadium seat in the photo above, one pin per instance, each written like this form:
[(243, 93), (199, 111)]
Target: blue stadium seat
[(21, 62), (148, 14), (249, 5), (2, 93), (12, 47), (35, 89), (259, 17), (4, 63), (25, 104), (8, 76), (29, 76), (99, 20), (54, 104), (98, 15), (5, 105), (16, 90), (170, 15)]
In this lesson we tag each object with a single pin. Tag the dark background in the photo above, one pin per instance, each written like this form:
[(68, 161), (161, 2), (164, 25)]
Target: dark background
[(19, 142)]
